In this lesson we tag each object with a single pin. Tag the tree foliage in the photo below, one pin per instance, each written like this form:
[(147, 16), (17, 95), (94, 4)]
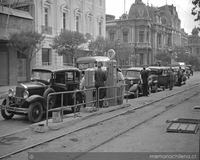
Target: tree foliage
[(164, 57), (68, 42), (27, 42), (100, 45), (196, 9)]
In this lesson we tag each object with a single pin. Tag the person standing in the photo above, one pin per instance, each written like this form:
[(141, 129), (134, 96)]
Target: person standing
[(145, 81), (171, 79), (100, 79), (121, 87), (179, 74)]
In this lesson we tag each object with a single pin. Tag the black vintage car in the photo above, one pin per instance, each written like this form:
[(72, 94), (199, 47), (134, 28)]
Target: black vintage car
[(31, 98), (133, 81), (160, 77)]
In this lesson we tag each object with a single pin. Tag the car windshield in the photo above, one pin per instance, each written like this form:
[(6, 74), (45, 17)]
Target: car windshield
[(41, 75), (133, 73)]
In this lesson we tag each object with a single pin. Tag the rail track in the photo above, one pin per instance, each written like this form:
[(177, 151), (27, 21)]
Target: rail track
[(107, 119)]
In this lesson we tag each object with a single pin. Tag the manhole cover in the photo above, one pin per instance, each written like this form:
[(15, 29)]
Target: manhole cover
[(184, 125)]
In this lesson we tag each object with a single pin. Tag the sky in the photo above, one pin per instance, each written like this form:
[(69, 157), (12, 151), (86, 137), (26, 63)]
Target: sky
[(183, 7)]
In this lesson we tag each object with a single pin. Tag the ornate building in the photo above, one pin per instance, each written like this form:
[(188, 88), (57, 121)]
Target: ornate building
[(52, 16), (148, 30), (194, 42)]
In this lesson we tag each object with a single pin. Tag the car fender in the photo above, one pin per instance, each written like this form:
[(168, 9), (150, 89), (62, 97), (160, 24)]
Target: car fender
[(133, 88), (34, 98)]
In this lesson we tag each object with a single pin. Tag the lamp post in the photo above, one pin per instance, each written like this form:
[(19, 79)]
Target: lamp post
[(117, 44)]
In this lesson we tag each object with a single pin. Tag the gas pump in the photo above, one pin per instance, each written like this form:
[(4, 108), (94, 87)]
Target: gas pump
[(89, 83), (111, 78)]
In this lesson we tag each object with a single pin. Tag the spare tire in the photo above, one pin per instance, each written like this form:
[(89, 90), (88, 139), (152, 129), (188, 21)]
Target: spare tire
[(52, 99)]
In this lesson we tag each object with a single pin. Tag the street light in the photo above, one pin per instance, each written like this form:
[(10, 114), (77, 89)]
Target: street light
[(117, 44)]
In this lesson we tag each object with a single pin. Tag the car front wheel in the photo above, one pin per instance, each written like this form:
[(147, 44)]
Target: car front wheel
[(35, 112), (5, 114)]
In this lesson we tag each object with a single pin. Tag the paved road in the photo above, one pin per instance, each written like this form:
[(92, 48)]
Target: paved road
[(21, 122)]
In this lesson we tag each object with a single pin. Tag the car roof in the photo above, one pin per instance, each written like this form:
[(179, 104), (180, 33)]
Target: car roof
[(157, 67), (52, 68), (92, 59), (136, 69)]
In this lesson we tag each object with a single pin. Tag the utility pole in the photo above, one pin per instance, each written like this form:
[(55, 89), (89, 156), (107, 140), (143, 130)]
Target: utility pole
[(124, 6)]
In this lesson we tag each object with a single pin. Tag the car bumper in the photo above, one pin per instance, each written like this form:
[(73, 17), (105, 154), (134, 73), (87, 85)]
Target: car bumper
[(14, 109)]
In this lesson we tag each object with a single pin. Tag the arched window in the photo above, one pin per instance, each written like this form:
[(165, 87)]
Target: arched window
[(65, 15), (100, 24), (89, 18), (78, 15), (47, 18)]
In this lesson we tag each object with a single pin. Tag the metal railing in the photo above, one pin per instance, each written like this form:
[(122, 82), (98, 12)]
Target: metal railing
[(62, 108)]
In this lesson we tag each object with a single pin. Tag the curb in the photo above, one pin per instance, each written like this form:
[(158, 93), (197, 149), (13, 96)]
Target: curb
[(57, 126)]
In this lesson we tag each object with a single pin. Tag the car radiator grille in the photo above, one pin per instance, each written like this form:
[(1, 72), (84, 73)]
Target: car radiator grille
[(19, 92)]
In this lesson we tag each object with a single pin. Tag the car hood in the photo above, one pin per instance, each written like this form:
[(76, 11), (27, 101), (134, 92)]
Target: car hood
[(33, 85), (34, 88)]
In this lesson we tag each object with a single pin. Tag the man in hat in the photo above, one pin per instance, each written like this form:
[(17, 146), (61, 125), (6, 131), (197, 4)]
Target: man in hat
[(100, 79), (121, 87), (145, 81)]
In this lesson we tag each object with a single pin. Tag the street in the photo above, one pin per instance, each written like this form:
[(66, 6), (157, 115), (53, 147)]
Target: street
[(144, 129)]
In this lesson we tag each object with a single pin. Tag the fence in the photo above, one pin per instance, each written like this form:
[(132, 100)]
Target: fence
[(74, 93)]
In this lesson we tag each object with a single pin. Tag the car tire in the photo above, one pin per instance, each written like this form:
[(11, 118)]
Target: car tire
[(52, 99), (35, 112), (78, 101), (4, 113)]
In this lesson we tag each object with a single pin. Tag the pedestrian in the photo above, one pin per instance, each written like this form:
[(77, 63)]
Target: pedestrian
[(121, 87), (100, 79), (171, 78), (145, 81), (179, 75)]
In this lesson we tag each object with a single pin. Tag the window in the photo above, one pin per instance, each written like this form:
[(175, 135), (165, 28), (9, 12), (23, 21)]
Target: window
[(77, 23), (141, 58), (60, 78), (64, 20), (112, 36), (159, 38), (147, 36), (141, 36), (46, 56), (46, 18), (125, 37), (100, 28)]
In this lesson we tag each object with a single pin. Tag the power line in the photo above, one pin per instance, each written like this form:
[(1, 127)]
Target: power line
[(183, 9)]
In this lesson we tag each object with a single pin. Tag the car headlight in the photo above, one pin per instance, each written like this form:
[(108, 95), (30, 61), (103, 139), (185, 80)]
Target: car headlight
[(25, 94), (11, 92), (131, 82)]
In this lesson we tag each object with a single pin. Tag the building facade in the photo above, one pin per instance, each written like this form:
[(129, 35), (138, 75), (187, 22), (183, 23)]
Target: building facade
[(194, 42), (12, 64), (52, 16), (148, 30)]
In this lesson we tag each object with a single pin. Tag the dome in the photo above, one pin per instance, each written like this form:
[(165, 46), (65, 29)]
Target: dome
[(195, 31), (138, 10)]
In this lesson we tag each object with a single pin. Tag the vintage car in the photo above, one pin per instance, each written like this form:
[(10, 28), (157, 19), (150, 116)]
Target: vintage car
[(133, 82), (31, 98), (183, 75), (160, 77)]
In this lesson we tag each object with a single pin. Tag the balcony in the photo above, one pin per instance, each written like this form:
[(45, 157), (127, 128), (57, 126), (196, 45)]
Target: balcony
[(143, 45), (47, 30)]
